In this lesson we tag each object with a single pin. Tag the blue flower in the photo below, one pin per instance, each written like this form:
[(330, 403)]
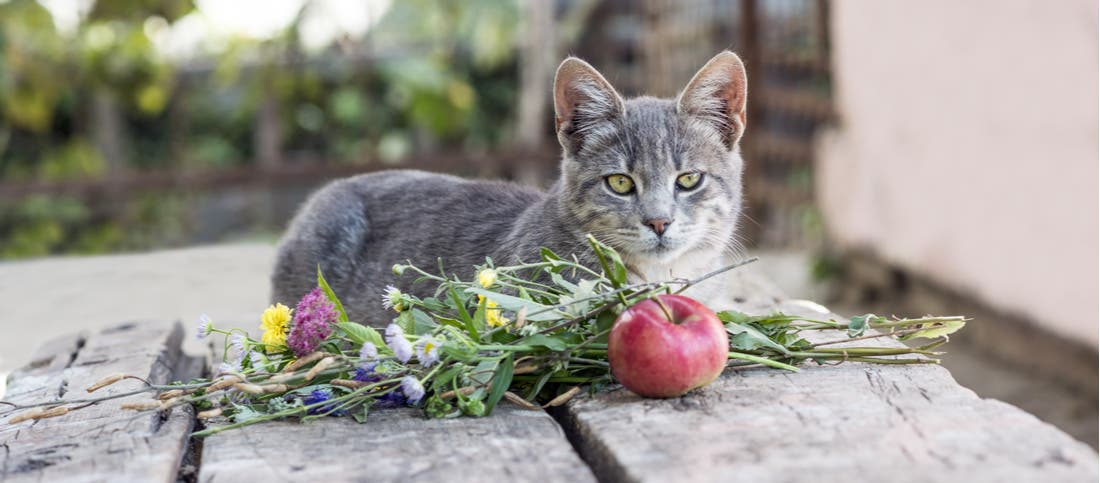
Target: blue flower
[(392, 399), (366, 375), (320, 396)]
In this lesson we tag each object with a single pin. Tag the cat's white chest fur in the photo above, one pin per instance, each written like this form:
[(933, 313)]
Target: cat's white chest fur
[(711, 292)]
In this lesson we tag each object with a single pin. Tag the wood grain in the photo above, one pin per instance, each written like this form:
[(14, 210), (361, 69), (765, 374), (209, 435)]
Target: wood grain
[(100, 442), (397, 445), (853, 422)]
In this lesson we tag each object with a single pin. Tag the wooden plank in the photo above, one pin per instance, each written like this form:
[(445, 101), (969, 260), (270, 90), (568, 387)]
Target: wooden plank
[(99, 442), (397, 445), (854, 422)]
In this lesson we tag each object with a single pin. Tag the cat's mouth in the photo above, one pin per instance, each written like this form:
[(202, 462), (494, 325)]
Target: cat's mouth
[(662, 248)]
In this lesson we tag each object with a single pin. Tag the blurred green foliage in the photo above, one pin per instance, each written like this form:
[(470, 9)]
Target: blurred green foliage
[(102, 100), (41, 225)]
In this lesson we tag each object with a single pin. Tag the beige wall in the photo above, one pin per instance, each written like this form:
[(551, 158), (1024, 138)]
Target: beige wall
[(967, 148)]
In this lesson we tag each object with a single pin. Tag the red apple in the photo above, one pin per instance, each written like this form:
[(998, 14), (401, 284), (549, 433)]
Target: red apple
[(667, 351)]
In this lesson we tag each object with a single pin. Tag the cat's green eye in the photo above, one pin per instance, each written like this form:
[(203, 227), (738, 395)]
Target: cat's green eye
[(688, 181), (621, 184)]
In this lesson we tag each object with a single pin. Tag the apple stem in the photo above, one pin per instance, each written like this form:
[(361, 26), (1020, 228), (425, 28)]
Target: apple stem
[(664, 308)]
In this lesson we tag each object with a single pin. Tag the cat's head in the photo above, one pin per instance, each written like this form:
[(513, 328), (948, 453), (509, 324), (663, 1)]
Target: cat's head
[(653, 178)]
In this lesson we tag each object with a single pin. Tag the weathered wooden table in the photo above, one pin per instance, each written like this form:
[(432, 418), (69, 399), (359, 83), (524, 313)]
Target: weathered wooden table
[(853, 422)]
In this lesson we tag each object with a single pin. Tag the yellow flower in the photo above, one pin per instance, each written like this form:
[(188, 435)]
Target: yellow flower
[(275, 323), (492, 313), (487, 277)]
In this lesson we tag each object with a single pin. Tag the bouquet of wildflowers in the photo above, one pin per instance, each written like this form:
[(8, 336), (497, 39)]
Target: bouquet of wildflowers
[(534, 334)]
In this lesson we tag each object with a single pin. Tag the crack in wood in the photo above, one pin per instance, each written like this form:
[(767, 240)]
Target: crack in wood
[(878, 388), (80, 341), (7, 454), (595, 454), (192, 459)]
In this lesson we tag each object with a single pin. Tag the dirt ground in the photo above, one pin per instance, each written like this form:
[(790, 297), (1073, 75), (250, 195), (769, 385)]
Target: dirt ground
[(46, 298)]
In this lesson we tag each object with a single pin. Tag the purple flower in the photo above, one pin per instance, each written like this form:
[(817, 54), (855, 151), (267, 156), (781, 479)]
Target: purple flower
[(392, 399), (313, 321), (320, 396), (366, 375)]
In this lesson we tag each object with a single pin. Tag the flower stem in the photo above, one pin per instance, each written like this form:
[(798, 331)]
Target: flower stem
[(762, 360)]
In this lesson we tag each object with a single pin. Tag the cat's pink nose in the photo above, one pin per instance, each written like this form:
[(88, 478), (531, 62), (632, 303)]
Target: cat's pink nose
[(658, 225)]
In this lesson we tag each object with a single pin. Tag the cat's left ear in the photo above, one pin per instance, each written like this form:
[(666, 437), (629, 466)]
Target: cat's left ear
[(717, 96), (585, 105)]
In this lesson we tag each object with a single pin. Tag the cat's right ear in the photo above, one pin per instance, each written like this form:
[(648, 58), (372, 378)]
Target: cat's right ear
[(585, 105), (716, 96)]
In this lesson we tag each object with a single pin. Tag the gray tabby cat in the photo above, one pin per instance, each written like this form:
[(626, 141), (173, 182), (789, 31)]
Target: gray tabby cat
[(657, 179)]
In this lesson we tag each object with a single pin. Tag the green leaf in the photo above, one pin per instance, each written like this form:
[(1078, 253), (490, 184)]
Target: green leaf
[(473, 407), (451, 322), (483, 373), (508, 302), (858, 325), (938, 329), (560, 281), (242, 413), (557, 263), (537, 387), (604, 322), (775, 318), (433, 304), (406, 321), (437, 408), (463, 314), (422, 322), (342, 316), (790, 340), (360, 416), (477, 324), (360, 333), (501, 381), (462, 353), (548, 255), (734, 316), (549, 342), (444, 378), (746, 337), (611, 262)]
